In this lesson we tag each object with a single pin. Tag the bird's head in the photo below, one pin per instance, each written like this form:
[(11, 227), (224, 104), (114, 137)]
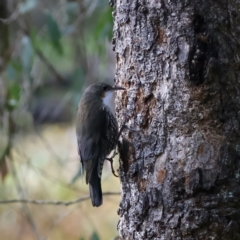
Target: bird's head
[(104, 92)]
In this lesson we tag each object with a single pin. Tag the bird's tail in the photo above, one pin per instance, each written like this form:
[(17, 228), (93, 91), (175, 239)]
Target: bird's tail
[(95, 189)]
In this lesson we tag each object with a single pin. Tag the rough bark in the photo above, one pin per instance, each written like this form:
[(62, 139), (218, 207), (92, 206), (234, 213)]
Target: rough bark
[(180, 61)]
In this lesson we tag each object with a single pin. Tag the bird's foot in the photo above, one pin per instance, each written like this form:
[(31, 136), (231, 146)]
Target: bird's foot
[(111, 161)]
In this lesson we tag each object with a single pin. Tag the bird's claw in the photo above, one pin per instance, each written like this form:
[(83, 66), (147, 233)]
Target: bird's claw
[(111, 161)]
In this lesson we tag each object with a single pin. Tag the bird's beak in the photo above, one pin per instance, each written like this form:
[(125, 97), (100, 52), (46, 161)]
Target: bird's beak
[(118, 88)]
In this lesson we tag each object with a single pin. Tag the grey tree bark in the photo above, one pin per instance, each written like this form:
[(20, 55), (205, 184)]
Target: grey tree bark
[(180, 63)]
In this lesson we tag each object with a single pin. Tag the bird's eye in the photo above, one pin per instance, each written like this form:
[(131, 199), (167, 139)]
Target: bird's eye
[(105, 88)]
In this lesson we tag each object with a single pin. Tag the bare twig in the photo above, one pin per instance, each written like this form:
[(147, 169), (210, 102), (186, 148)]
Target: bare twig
[(57, 221), (42, 57), (48, 145), (52, 202), (12, 18), (44, 174), (25, 209), (50, 66)]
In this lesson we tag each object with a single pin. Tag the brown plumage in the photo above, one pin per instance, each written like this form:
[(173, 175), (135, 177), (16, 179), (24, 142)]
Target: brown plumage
[(97, 133)]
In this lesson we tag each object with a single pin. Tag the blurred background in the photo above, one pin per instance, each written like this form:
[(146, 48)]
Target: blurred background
[(50, 51)]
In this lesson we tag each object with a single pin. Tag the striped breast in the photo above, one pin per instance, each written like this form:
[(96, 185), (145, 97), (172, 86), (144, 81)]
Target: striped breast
[(111, 138)]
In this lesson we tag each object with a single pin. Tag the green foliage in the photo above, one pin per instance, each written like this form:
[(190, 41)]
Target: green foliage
[(13, 69), (33, 35), (26, 55), (54, 34), (72, 10), (94, 236), (13, 96), (104, 25)]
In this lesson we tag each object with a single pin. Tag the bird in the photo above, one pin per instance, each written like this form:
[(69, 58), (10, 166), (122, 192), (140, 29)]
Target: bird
[(97, 133)]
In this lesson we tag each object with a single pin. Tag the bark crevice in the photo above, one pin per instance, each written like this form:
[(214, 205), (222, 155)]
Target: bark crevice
[(179, 61)]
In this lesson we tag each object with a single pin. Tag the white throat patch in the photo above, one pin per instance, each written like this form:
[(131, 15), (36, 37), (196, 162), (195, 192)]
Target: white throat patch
[(108, 100)]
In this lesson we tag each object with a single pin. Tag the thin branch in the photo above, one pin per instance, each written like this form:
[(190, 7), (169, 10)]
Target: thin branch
[(50, 67), (25, 209), (51, 202), (48, 146), (12, 18), (57, 221), (42, 57)]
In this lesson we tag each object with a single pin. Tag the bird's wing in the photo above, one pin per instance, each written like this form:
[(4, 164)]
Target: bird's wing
[(91, 135)]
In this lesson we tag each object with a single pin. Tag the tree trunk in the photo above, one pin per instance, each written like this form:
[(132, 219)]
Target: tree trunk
[(180, 63)]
